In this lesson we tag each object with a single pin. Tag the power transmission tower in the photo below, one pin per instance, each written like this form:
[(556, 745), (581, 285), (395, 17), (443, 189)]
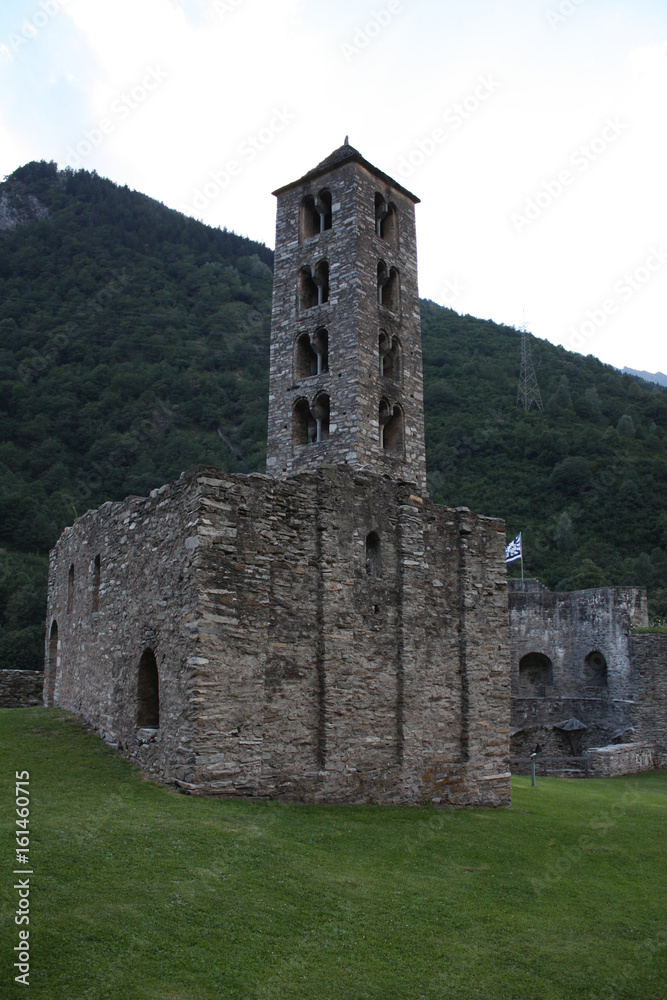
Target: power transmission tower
[(529, 391)]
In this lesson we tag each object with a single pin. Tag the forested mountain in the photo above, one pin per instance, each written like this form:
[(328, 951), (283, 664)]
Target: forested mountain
[(134, 344)]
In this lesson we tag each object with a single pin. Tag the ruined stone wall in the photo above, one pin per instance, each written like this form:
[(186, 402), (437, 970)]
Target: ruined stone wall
[(147, 599), (286, 668), (20, 688), (650, 653), (323, 682), (568, 628)]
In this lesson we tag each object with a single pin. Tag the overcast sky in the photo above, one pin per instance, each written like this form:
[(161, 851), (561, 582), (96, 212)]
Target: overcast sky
[(533, 132)]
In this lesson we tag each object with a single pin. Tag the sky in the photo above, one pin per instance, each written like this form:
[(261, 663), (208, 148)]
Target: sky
[(533, 132)]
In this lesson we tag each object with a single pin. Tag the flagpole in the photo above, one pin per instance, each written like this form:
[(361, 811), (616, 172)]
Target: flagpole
[(521, 550)]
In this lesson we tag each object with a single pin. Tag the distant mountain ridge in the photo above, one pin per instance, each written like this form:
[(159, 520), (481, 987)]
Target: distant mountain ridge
[(134, 343), (658, 377)]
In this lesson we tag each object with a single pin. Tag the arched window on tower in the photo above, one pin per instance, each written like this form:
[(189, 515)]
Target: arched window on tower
[(70, 590), (321, 415), (307, 289), (390, 356), (373, 555), (314, 286), (304, 427), (311, 357), (148, 692), (305, 362), (311, 425), (391, 428), (386, 220), (315, 214), (321, 348), (388, 287)]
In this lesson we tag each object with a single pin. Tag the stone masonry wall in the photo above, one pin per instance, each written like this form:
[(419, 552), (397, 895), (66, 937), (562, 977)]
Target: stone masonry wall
[(285, 668), (147, 600), (20, 688), (566, 628), (650, 650)]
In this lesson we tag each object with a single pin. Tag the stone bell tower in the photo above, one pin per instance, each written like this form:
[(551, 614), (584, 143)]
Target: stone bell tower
[(346, 361)]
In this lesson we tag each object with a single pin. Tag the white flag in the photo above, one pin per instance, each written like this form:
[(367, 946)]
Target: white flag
[(513, 550)]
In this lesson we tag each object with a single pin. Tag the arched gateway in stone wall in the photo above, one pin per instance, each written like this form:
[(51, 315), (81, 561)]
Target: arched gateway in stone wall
[(325, 632)]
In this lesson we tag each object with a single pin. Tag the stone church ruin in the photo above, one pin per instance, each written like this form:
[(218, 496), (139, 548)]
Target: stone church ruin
[(324, 632)]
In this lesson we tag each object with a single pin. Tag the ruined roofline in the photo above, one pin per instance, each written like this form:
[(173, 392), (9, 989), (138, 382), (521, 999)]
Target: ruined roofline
[(346, 154)]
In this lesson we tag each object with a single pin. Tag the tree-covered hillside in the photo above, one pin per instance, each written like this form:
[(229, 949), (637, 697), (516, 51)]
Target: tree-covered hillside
[(134, 344)]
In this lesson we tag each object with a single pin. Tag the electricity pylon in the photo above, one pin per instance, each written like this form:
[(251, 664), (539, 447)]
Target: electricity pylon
[(529, 391)]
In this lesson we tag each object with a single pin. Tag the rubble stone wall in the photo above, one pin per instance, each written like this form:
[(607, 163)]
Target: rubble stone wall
[(21, 688), (290, 663)]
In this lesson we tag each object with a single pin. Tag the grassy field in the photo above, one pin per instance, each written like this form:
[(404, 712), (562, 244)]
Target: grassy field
[(141, 892)]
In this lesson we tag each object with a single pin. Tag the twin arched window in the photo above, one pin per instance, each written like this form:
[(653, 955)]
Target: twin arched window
[(315, 215), (389, 349), (314, 285), (310, 424), (311, 355), (388, 286)]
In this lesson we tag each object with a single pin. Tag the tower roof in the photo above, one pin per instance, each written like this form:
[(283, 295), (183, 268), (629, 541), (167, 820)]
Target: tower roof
[(346, 154)]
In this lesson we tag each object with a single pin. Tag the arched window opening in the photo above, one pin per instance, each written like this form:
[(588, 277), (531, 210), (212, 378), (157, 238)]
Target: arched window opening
[(321, 279), (390, 356), (308, 294), (323, 206), (70, 590), (321, 348), (321, 415), (315, 215), (51, 664), (386, 221), (391, 428), (306, 358), (96, 584), (148, 692), (388, 287), (373, 555), (595, 669), (535, 670), (303, 424), (309, 218)]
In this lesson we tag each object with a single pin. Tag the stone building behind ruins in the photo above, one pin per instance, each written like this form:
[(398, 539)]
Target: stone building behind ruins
[(576, 655), (325, 632)]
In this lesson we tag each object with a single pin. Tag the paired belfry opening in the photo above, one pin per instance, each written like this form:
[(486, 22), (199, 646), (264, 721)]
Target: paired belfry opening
[(314, 285), (310, 425), (388, 287), (311, 355), (315, 215)]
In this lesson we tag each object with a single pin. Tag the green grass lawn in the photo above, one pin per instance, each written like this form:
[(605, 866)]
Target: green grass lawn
[(141, 892)]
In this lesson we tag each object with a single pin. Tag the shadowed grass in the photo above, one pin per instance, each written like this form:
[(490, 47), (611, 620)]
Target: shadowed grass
[(141, 892)]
